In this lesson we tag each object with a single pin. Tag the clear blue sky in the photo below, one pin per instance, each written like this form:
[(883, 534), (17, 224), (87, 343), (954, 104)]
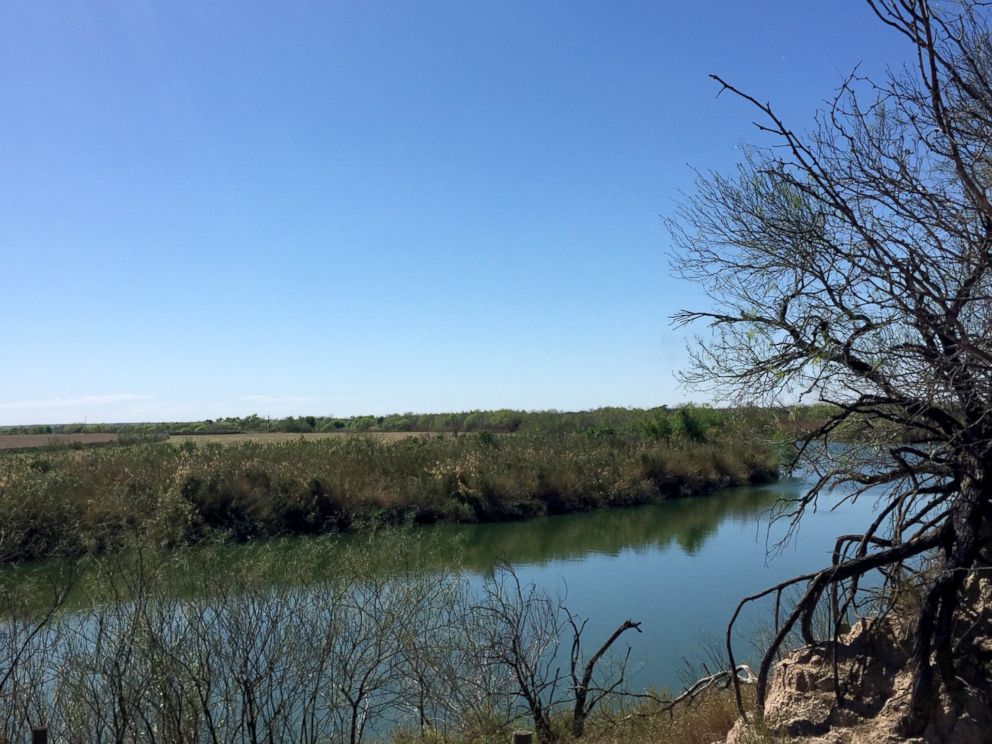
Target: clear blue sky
[(218, 208)]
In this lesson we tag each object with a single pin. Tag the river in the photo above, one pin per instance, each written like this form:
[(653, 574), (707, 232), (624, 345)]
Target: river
[(678, 567)]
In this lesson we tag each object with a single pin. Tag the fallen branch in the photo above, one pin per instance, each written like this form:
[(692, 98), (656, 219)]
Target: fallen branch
[(742, 673)]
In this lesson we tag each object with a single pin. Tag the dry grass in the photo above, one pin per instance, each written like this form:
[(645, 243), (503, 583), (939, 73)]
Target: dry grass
[(36, 441), (276, 437), (705, 721), (252, 486), (39, 441)]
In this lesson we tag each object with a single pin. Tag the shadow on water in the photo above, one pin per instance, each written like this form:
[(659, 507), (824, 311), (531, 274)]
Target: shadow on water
[(679, 566), (572, 538), (687, 523), (477, 548)]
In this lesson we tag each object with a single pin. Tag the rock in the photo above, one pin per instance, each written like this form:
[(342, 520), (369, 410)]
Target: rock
[(802, 706)]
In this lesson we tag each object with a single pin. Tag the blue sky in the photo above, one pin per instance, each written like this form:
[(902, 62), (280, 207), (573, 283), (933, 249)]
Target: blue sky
[(221, 208)]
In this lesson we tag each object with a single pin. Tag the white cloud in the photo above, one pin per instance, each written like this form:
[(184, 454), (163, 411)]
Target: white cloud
[(85, 400)]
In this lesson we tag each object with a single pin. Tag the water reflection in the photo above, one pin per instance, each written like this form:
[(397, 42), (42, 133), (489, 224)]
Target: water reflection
[(682, 531), (687, 523), (680, 566)]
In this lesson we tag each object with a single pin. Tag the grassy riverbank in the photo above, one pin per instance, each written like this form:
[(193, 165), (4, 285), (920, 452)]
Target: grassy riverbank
[(68, 501)]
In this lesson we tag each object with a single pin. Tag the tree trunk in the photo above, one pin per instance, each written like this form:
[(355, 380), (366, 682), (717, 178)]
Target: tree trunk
[(579, 714), (932, 642)]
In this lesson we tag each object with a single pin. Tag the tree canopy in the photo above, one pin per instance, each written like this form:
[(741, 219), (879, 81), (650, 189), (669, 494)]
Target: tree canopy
[(853, 264)]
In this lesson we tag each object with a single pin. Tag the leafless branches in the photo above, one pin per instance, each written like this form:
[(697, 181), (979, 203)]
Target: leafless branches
[(233, 657), (854, 264), (520, 628)]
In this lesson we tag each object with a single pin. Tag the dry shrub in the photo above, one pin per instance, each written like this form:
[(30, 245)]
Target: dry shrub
[(707, 720), (92, 500)]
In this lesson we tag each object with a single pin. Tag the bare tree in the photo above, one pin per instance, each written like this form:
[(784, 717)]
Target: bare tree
[(587, 693), (27, 610), (853, 264), (520, 627)]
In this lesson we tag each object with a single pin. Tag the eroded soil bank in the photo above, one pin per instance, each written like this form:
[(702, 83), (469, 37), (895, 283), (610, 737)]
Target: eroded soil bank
[(868, 699)]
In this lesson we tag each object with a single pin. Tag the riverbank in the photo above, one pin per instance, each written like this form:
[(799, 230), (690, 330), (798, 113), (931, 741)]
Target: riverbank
[(69, 502), (856, 688)]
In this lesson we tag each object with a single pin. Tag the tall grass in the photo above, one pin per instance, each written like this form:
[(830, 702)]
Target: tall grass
[(75, 501)]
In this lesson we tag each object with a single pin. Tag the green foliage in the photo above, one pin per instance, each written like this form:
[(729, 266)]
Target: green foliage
[(661, 428), (689, 423), (487, 438), (676, 426), (693, 426)]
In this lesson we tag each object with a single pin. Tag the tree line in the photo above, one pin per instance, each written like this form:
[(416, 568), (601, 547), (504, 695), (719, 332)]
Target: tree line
[(508, 421)]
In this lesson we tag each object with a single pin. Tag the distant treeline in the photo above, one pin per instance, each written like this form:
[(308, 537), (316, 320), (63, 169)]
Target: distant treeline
[(620, 420)]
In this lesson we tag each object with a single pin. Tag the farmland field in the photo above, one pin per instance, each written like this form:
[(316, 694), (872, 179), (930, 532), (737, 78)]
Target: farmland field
[(34, 441), (38, 441), (276, 437)]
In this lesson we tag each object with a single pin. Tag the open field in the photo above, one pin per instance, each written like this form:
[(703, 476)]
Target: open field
[(279, 437), (34, 441), (39, 441)]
